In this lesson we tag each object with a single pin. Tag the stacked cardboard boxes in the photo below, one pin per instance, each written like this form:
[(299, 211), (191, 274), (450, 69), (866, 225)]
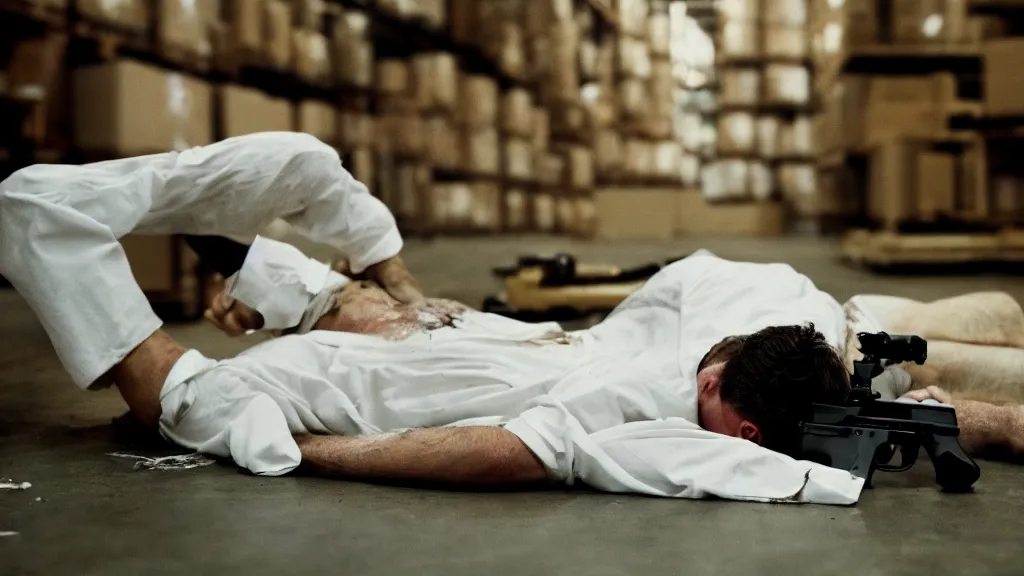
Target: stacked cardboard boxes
[(765, 136), (914, 168)]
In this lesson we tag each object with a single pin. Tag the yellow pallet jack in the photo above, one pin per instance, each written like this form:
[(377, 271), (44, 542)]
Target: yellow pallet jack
[(558, 289)]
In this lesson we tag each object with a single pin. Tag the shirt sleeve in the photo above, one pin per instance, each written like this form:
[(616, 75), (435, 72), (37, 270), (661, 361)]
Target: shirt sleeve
[(675, 458), (280, 282)]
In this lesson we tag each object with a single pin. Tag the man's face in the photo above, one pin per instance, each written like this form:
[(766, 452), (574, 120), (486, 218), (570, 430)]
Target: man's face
[(714, 414)]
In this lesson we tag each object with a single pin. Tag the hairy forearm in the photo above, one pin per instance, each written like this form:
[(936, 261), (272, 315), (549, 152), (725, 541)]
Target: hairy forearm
[(985, 425), (475, 455)]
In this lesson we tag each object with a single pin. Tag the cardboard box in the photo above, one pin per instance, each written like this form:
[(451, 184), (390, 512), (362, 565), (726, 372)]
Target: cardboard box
[(787, 83), (844, 114), (740, 86), (608, 151), (437, 81), (393, 77), (183, 25), (726, 180), (796, 137), (128, 108), (511, 50), (768, 136), (739, 39), (443, 146), (152, 260), (698, 217), (667, 156), (762, 181), (278, 38), (936, 183), (733, 10), (736, 133), (125, 14), (586, 216), (355, 130), (689, 170), (785, 42), (983, 28), (636, 213), (318, 119), (639, 158), (451, 205), (311, 63), (580, 167), (363, 168), (402, 134), (786, 12), (632, 17), (565, 214), (798, 187), (463, 20), (478, 96), (633, 59), (1007, 199), (517, 210), (485, 211), (539, 14), (481, 151), (890, 188), (544, 212), (308, 14), (541, 129), (517, 113), (518, 160), (551, 168), (659, 34), (414, 181), (434, 13), (245, 25), (908, 106), (247, 111), (562, 83), (632, 97), (1003, 85), (929, 21)]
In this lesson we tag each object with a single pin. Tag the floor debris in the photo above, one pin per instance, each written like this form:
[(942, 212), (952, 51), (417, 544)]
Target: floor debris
[(3, 534), (12, 485), (175, 462)]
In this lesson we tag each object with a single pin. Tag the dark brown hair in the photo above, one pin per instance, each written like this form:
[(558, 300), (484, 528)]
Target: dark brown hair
[(776, 374)]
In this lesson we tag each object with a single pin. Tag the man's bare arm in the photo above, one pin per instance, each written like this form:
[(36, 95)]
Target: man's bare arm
[(475, 455)]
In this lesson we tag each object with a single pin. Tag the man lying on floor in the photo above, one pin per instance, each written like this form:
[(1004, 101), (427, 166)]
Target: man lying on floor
[(432, 393)]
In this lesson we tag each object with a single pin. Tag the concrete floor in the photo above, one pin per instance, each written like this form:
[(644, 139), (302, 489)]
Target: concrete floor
[(88, 513)]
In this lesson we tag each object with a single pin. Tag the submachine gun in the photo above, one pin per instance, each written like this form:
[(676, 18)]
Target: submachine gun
[(863, 435)]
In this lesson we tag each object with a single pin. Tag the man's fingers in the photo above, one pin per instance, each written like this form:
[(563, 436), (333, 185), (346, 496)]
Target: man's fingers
[(919, 395), (940, 394)]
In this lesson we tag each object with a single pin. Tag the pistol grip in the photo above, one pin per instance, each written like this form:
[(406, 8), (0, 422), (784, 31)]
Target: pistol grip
[(954, 469)]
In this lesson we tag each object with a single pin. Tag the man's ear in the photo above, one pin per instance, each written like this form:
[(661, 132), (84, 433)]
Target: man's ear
[(750, 431)]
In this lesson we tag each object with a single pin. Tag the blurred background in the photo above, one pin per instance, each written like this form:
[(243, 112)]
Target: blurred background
[(885, 131)]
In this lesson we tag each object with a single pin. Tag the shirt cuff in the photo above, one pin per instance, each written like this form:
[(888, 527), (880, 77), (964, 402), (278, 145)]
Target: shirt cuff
[(546, 433), (279, 281), (387, 247)]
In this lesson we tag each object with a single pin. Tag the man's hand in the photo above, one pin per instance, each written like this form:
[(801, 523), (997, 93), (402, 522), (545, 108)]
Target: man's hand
[(231, 316), (393, 277), (930, 393)]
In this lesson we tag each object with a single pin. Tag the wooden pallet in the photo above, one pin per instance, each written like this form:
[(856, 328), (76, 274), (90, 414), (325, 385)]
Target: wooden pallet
[(882, 249)]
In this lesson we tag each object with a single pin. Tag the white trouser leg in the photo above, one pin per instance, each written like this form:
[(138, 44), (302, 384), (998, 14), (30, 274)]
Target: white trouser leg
[(74, 274)]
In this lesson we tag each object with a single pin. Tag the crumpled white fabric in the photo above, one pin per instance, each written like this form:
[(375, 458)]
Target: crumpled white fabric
[(60, 225), (613, 407), (280, 282)]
